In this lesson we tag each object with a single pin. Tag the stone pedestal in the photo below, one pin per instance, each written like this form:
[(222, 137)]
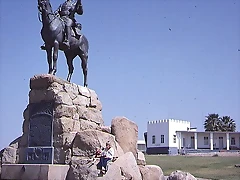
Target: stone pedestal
[(34, 171), (57, 110)]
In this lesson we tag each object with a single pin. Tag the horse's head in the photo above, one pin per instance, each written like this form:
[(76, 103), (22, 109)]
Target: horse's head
[(44, 5), (45, 9)]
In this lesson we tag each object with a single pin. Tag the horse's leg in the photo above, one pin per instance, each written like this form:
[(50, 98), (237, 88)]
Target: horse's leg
[(55, 56), (84, 59), (49, 59), (69, 58)]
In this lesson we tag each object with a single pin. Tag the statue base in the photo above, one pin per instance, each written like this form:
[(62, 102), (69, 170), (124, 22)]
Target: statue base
[(34, 171)]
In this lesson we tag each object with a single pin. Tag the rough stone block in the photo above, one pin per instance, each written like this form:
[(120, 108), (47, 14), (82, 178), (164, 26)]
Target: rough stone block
[(65, 125), (106, 129), (84, 91), (43, 81), (90, 114), (63, 140), (9, 155), (114, 171), (63, 98), (152, 172), (71, 89), (85, 124), (140, 158), (82, 169), (36, 95), (95, 103), (128, 166), (86, 142), (81, 101), (95, 115), (175, 175), (126, 134), (65, 110)]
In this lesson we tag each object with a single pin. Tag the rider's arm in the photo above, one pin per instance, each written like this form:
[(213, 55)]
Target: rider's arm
[(78, 7)]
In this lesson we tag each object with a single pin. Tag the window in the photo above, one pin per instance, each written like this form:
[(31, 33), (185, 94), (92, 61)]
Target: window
[(192, 142), (153, 139), (233, 141), (174, 138), (162, 138), (205, 140)]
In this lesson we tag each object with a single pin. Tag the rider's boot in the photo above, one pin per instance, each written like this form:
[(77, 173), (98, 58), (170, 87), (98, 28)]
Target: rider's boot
[(79, 26), (75, 32), (43, 47), (67, 37)]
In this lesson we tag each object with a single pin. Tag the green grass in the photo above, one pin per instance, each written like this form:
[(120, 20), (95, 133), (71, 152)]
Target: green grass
[(201, 167)]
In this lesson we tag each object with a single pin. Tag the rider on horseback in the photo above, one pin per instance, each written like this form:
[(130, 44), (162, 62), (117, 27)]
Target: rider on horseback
[(67, 11)]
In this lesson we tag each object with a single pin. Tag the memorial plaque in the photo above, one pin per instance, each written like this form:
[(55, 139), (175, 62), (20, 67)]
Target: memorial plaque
[(42, 155), (40, 126), (40, 137), (40, 133)]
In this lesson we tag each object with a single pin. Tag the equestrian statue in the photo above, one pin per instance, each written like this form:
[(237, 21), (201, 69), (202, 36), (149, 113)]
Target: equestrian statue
[(60, 31)]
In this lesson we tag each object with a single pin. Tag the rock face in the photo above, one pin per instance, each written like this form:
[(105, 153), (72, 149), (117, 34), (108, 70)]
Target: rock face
[(82, 168), (140, 158), (152, 172), (77, 129), (86, 142), (124, 166), (180, 175), (126, 133)]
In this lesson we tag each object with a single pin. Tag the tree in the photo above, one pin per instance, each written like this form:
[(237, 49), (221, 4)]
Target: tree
[(227, 124), (212, 122)]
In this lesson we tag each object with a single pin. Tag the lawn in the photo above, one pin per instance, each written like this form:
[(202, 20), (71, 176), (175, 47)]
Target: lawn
[(200, 167)]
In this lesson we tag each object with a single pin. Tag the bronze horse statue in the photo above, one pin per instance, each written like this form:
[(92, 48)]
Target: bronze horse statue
[(52, 33)]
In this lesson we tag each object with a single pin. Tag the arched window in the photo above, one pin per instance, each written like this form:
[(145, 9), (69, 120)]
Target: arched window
[(153, 139)]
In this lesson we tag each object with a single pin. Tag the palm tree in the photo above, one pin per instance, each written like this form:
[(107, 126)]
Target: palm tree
[(212, 122), (227, 124)]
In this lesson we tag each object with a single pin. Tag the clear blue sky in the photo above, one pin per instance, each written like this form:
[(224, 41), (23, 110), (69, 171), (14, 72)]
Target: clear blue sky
[(138, 67)]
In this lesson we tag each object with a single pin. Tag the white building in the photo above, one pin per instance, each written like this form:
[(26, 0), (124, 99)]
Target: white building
[(141, 145), (169, 136)]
